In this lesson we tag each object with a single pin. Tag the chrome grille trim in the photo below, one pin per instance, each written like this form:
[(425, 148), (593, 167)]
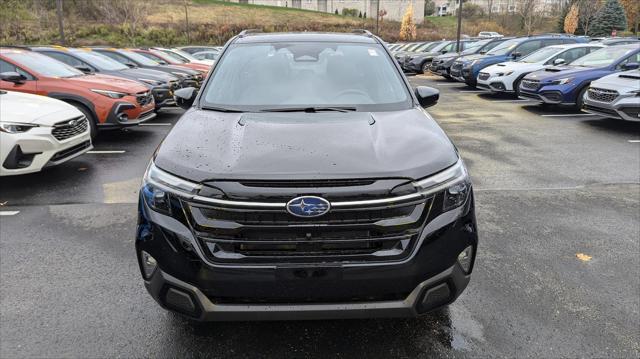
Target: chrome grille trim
[(602, 95), (64, 130)]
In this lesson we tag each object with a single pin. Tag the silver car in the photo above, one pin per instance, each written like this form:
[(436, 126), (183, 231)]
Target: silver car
[(615, 96)]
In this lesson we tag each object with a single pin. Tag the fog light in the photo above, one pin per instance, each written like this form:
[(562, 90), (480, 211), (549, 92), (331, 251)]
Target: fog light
[(149, 264), (464, 259)]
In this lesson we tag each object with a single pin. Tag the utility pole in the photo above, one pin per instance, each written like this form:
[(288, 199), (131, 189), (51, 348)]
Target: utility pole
[(459, 26), (377, 16), (60, 21), (186, 18)]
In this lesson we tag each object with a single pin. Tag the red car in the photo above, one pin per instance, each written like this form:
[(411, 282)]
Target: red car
[(108, 101)]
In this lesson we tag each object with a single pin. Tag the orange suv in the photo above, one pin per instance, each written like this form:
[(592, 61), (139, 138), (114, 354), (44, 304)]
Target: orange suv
[(109, 101)]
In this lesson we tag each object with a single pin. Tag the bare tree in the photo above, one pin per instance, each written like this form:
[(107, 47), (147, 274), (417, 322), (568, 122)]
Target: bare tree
[(129, 13), (489, 7), (529, 13), (588, 9)]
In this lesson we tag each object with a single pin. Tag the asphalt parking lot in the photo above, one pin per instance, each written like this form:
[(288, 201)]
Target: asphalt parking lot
[(558, 205)]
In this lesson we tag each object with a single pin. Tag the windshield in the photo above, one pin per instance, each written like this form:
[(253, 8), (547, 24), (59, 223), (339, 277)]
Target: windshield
[(42, 64), (602, 57), (100, 61), (262, 76), (505, 47), (474, 47), (171, 56), (185, 55), (541, 55), (138, 58), (422, 47)]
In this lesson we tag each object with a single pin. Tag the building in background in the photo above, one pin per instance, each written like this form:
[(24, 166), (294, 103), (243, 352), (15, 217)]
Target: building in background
[(395, 8), (546, 7)]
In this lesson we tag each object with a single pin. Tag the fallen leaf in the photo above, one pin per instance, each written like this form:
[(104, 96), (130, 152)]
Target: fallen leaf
[(583, 257)]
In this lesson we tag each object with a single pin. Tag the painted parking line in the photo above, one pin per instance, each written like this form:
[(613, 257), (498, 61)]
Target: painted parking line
[(156, 124), (473, 91), (634, 141), (570, 115), (98, 152), (9, 213), (511, 100)]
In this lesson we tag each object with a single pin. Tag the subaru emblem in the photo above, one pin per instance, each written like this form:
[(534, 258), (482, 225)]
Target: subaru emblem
[(308, 206)]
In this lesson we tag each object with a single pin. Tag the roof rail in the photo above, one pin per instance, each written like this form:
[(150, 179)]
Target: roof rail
[(362, 31), (248, 31), (21, 47)]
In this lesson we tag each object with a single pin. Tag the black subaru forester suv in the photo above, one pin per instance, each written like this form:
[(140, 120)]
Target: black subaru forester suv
[(306, 181)]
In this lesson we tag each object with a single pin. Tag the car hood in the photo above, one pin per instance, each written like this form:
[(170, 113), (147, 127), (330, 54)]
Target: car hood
[(208, 145), (558, 72), (150, 74), (41, 110), (422, 55), (106, 82), (621, 84), (447, 56), (512, 66)]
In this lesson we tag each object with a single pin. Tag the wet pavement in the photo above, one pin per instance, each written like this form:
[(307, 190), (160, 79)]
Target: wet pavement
[(557, 273)]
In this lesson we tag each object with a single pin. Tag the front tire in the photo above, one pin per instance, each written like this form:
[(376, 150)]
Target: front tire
[(425, 68), (580, 99)]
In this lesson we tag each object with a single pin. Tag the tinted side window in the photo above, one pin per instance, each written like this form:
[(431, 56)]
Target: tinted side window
[(528, 47), (635, 58), (69, 60), (8, 67), (550, 42), (572, 54)]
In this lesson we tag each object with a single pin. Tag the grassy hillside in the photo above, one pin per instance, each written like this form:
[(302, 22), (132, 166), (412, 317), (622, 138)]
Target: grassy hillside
[(210, 22)]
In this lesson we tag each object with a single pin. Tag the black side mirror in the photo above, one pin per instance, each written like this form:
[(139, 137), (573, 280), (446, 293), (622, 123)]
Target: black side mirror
[(427, 96), (185, 97), (14, 77), (85, 69), (630, 66), (557, 62), (515, 55)]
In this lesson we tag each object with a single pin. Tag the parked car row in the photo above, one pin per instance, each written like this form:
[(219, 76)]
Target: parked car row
[(554, 70), (82, 91)]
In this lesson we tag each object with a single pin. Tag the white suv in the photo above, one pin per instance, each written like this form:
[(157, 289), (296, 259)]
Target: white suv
[(615, 96), (506, 76), (38, 132)]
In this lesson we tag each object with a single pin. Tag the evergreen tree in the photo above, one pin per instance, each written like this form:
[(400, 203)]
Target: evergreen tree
[(610, 17)]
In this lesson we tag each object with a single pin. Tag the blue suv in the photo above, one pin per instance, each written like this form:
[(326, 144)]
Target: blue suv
[(467, 68), (566, 85)]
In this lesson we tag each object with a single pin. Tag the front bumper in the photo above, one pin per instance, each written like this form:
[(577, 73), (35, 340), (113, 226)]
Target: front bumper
[(121, 115), (441, 69), (163, 97), (624, 108), (187, 283), (36, 149), (174, 294), (495, 84)]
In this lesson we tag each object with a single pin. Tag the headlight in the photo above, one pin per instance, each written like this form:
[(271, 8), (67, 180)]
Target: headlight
[(563, 81), (9, 127), (151, 82), (158, 187), (108, 93), (454, 182)]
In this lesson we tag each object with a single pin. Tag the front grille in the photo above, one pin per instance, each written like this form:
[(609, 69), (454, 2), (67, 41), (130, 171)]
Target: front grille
[(530, 84), (602, 95), (258, 235), (457, 66), (70, 128), (68, 152), (174, 85), (602, 110), (483, 76), (144, 98)]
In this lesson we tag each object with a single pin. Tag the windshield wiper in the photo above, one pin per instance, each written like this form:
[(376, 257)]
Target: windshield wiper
[(310, 109), (221, 109)]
